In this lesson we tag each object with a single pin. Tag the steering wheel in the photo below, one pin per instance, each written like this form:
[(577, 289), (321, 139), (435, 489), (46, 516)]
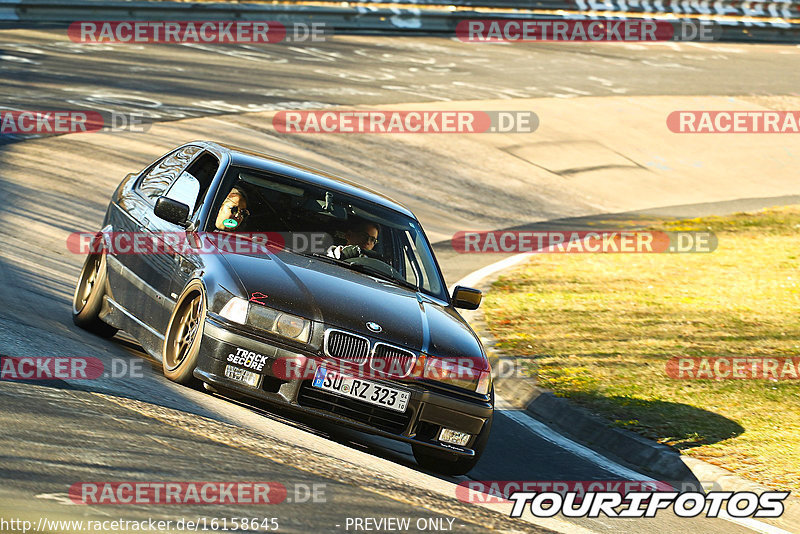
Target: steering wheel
[(372, 254), (373, 262)]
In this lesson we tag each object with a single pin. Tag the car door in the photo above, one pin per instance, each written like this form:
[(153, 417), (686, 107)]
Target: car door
[(205, 167), (158, 269), (139, 274)]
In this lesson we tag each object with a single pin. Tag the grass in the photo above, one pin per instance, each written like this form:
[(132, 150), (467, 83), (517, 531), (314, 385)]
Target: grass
[(601, 327)]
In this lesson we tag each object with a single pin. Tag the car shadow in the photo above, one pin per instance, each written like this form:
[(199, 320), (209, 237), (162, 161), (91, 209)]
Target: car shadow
[(708, 427)]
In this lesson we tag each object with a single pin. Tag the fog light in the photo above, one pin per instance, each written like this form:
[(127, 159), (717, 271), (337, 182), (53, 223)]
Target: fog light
[(290, 326), (455, 437)]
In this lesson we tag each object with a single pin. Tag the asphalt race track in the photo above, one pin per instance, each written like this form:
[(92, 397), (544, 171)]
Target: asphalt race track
[(55, 434)]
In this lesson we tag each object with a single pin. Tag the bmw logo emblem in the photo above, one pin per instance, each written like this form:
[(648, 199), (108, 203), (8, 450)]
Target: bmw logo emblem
[(374, 327)]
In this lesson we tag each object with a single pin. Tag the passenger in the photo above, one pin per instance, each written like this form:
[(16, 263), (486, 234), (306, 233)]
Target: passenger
[(363, 236), (233, 211)]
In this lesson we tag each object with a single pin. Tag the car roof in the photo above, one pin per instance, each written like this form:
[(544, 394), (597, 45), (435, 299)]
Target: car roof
[(292, 169)]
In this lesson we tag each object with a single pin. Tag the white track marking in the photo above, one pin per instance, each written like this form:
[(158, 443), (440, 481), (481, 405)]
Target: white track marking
[(753, 524), (484, 272), (548, 434)]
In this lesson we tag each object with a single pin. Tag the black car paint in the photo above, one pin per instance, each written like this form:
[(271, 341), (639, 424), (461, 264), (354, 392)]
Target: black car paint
[(142, 291)]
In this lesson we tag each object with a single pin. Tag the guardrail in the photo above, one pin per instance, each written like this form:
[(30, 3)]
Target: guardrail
[(758, 20), (787, 9)]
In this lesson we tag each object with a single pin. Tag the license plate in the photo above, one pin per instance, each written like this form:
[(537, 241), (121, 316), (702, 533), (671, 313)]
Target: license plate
[(364, 390), (242, 375)]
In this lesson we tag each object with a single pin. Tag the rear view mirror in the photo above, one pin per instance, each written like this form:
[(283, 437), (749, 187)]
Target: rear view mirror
[(172, 211), (326, 207), (185, 189), (467, 298)]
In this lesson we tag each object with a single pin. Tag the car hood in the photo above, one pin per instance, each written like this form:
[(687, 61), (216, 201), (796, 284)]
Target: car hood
[(342, 298)]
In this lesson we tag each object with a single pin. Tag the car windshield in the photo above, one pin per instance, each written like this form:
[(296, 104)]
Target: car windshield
[(325, 224)]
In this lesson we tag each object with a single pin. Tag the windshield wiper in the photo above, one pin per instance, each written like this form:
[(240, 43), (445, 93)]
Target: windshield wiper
[(364, 269), (323, 257)]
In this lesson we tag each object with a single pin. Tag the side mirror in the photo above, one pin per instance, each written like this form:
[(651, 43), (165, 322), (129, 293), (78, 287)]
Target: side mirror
[(467, 297), (172, 211)]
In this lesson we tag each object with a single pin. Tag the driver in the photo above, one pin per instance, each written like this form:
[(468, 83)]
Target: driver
[(363, 236), (233, 211)]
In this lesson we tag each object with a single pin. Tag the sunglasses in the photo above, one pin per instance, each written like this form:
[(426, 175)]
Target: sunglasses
[(235, 211), (370, 239)]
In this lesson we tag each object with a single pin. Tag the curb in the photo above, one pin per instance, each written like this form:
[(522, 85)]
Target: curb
[(579, 424), (624, 446)]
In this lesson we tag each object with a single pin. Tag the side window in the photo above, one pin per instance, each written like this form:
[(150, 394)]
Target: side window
[(153, 184), (203, 168), (191, 186)]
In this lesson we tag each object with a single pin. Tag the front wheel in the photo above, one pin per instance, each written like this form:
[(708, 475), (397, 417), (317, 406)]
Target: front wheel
[(88, 298), (182, 340), (451, 464)]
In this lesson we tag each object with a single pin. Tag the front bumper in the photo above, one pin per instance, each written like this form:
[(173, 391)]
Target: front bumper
[(430, 406)]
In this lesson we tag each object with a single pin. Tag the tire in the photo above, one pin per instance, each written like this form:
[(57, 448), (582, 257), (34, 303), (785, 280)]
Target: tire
[(452, 464), (88, 298), (184, 333)]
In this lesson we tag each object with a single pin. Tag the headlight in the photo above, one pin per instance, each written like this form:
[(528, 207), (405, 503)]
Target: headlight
[(259, 316), (458, 372), (290, 325)]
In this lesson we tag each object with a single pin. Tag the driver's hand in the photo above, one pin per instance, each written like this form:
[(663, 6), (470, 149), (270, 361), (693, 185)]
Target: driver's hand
[(349, 252)]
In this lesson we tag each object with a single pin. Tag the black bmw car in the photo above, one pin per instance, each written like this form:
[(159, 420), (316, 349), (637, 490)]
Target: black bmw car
[(294, 287)]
